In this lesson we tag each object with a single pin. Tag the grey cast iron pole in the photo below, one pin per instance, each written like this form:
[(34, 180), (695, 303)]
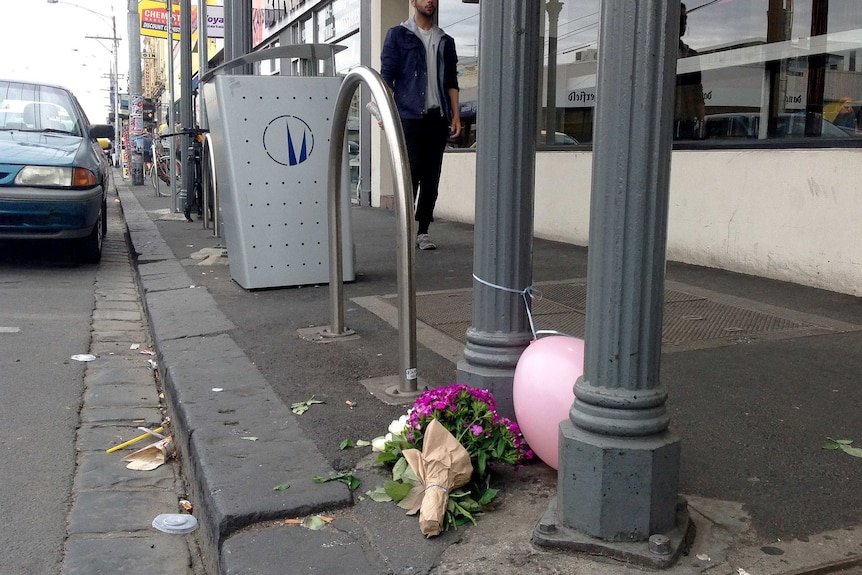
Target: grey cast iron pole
[(136, 161), (203, 62), (553, 7), (619, 463), (237, 33), (505, 173), (186, 116)]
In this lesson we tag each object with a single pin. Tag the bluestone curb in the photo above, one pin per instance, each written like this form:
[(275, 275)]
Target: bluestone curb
[(236, 439)]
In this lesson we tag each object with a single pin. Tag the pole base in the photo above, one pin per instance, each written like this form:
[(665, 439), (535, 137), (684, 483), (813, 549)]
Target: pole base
[(323, 334), (390, 389), (660, 551)]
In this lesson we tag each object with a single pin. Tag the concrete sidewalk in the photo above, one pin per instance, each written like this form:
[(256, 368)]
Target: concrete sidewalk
[(759, 374)]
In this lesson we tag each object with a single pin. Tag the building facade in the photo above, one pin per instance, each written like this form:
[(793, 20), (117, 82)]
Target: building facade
[(768, 126)]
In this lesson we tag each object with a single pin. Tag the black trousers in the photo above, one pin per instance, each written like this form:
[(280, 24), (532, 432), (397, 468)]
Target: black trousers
[(425, 139)]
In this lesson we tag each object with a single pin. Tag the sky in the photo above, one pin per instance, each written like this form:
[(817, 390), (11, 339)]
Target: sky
[(45, 42)]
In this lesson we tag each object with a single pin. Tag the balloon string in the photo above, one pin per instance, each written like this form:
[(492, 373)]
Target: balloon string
[(530, 292)]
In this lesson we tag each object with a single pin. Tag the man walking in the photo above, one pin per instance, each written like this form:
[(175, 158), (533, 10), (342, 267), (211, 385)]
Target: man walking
[(418, 63)]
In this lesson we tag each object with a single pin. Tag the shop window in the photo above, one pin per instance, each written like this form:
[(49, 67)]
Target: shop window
[(780, 71)]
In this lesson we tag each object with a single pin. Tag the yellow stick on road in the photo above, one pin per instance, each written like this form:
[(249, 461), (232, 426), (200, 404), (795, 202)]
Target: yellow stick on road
[(131, 441)]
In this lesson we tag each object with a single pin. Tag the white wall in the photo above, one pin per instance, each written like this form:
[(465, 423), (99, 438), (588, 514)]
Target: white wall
[(793, 215)]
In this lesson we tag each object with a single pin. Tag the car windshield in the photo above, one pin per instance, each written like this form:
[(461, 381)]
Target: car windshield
[(37, 108)]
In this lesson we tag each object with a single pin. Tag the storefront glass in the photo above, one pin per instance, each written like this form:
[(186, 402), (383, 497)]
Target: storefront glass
[(778, 72)]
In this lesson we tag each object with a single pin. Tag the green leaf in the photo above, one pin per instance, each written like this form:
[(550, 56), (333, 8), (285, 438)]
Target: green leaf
[(281, 487), (387, 457), (379, 495), (362, 443), (461, 511), (345, 444), (301, 407), (346, 478), (397, 490), (481, 462), (399, 469), (315, 523), (488, 496), (854, 451), (351, 482)]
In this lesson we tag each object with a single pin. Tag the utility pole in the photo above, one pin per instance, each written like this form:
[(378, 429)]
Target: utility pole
[(136, 99), (115, 84), (118, 144), (115, 73)]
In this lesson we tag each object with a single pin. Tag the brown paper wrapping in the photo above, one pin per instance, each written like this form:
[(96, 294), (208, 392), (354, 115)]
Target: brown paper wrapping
[(441, 466), (151, 456)]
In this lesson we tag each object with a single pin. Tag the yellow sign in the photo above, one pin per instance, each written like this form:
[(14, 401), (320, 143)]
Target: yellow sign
[(154, 19)]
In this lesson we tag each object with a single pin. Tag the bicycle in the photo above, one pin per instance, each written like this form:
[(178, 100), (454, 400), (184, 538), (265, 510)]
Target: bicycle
[(193, 196), (160, 170)]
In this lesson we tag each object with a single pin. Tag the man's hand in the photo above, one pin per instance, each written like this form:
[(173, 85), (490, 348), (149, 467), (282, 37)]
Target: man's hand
[(455, 127)]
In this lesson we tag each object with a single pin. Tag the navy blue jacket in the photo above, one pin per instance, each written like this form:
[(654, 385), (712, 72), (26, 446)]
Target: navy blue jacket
[(402, 66)]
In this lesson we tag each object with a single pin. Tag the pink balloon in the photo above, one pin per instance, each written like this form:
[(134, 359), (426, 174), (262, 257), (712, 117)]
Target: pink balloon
[(543, 391)]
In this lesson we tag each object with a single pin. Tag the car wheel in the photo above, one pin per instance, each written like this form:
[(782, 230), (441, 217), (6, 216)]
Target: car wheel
[(90, 248)]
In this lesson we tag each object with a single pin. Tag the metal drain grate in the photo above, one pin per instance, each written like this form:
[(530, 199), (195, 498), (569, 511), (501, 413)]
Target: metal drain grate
[(690, 321), (698, 320)]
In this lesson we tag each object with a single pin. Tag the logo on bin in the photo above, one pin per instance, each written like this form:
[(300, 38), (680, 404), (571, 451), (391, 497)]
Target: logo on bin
[(288, 140)]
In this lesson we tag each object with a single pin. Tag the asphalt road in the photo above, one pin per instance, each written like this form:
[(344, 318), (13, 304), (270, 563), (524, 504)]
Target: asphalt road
[(46, 305)]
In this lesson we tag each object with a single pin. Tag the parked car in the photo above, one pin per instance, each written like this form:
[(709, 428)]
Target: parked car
[(560, 139), (747, 125), (54, 177)]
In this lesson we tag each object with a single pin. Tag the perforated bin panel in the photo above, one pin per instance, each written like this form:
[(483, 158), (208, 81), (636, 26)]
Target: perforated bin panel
[(271, 146)]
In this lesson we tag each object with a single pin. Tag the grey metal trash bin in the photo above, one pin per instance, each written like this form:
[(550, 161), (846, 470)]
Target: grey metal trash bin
[(270, 138)]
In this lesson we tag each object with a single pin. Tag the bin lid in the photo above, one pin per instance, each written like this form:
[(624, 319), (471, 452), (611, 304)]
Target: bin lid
[(315, 52)]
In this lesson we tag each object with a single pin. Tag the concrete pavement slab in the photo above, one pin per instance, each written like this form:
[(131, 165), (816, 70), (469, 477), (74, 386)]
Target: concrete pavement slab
[(116, 511), (153, 553), (109, 471)]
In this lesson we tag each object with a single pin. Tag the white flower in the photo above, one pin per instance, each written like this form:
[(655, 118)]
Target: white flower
[(379, 443), (398, 426)]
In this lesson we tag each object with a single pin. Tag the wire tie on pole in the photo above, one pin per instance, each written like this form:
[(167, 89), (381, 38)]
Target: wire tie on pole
[(528, 291)]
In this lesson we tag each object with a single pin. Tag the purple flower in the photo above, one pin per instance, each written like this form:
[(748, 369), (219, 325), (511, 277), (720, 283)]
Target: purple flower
[(463, 409)]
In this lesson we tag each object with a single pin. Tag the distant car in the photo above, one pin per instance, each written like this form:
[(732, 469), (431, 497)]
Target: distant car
[(560, 139), (54, 177), (747, 125)]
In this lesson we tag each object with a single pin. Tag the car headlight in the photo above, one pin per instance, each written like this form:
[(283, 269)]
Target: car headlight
[(55, 177)]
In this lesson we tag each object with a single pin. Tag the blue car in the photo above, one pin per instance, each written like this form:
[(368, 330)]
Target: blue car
[(54, 176)]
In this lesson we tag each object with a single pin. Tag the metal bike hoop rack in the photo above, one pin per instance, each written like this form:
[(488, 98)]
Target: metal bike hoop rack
[(209, 183), (404, 216)]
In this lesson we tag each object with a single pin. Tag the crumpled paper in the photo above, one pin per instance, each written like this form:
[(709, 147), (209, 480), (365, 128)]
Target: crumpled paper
[(151, 456), (441, 466)]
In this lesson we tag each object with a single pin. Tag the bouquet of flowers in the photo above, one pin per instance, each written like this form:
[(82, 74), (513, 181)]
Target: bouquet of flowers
[(470, 416)]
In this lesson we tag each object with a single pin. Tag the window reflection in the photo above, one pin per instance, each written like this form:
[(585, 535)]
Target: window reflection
[(767, 69)]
